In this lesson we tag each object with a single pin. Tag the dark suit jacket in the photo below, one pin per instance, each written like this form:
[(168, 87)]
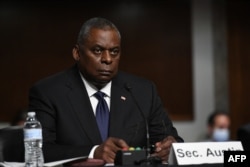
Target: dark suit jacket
[(243, 135), (69, 126)]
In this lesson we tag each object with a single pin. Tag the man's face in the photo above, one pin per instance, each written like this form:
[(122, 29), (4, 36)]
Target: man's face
[(222, 122), (98, 57), (220, 130)]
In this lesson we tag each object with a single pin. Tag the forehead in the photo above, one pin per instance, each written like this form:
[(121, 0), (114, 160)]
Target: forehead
[(222, 119), (103, 36)]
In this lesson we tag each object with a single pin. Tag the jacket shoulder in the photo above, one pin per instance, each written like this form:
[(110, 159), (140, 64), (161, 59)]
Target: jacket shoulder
[(57, 80)]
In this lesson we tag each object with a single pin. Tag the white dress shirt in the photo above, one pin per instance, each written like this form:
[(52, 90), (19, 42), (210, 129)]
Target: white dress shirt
[(91, 90)]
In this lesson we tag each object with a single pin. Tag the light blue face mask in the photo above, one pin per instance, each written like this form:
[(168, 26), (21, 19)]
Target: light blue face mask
[(220, 135)]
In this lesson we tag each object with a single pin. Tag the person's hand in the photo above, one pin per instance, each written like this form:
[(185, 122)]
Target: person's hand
[(162, 148), (107, 150)]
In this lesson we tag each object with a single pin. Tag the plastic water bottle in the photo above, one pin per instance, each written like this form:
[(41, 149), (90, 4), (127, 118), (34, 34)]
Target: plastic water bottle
[(33, 141)]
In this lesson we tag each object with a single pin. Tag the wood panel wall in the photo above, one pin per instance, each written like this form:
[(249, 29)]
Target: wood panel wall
[(36, 39), (239, 62)]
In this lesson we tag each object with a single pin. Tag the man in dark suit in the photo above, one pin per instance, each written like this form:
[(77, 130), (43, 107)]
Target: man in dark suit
[(66, 104)]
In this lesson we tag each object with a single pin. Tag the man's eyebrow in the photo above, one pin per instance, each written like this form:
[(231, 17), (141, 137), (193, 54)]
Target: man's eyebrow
[(115, 47), (102, 47), (97, 45)]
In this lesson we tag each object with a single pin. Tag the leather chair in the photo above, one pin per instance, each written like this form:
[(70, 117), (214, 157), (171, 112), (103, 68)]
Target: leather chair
[(11, 144), (243, 135)]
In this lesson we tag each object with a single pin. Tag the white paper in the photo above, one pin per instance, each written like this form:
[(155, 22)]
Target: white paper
[(49, 164), (61, 162), (12, 164)]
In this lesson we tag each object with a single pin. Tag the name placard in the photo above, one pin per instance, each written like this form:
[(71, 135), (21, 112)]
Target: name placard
[(201, 152)]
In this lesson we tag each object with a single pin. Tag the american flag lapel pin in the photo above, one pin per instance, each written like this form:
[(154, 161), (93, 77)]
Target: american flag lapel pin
[(123, 98)]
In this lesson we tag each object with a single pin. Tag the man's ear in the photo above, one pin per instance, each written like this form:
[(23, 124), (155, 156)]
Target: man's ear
[(76, 53)]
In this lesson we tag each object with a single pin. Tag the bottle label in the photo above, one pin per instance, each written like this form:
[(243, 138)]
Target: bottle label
[(31, 134)]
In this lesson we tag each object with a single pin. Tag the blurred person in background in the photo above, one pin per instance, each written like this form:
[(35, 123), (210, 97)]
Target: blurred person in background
[(218, 125)]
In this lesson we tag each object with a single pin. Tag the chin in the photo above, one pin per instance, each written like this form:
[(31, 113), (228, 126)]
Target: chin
[(101, 83)]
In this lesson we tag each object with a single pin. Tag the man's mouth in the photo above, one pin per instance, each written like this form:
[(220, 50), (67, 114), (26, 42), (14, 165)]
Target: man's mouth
[(105, 72)]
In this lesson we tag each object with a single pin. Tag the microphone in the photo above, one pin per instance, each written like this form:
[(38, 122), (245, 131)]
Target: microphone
[(124, 157), (129, 89)]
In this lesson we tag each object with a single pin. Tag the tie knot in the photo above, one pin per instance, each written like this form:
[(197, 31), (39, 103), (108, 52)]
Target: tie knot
[(99, 95)]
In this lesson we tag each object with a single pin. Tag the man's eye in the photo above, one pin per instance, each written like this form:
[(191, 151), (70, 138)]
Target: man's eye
[(114, 51), (97, 50)]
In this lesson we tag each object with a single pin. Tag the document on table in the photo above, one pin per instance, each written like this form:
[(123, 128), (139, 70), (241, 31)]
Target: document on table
[(61, 162), (49, 164), (11, 164)]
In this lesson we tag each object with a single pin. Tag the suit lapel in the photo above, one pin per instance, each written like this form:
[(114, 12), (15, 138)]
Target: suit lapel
[(117, 109), (122, 123), (79, 99)]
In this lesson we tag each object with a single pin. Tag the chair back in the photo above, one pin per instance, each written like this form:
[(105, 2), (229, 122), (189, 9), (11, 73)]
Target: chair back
[(11, 144), (243, 135)]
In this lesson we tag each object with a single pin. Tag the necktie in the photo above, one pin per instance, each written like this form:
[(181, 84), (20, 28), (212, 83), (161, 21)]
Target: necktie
[(102, 115)]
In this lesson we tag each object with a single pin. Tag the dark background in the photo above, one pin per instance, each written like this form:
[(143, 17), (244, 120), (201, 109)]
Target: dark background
[(36, 39)]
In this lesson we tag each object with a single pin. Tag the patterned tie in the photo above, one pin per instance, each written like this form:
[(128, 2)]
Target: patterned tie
[(102, 115)]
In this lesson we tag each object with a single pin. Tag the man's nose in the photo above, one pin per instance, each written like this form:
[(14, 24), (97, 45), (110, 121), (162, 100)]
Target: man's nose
[(106, 57)]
